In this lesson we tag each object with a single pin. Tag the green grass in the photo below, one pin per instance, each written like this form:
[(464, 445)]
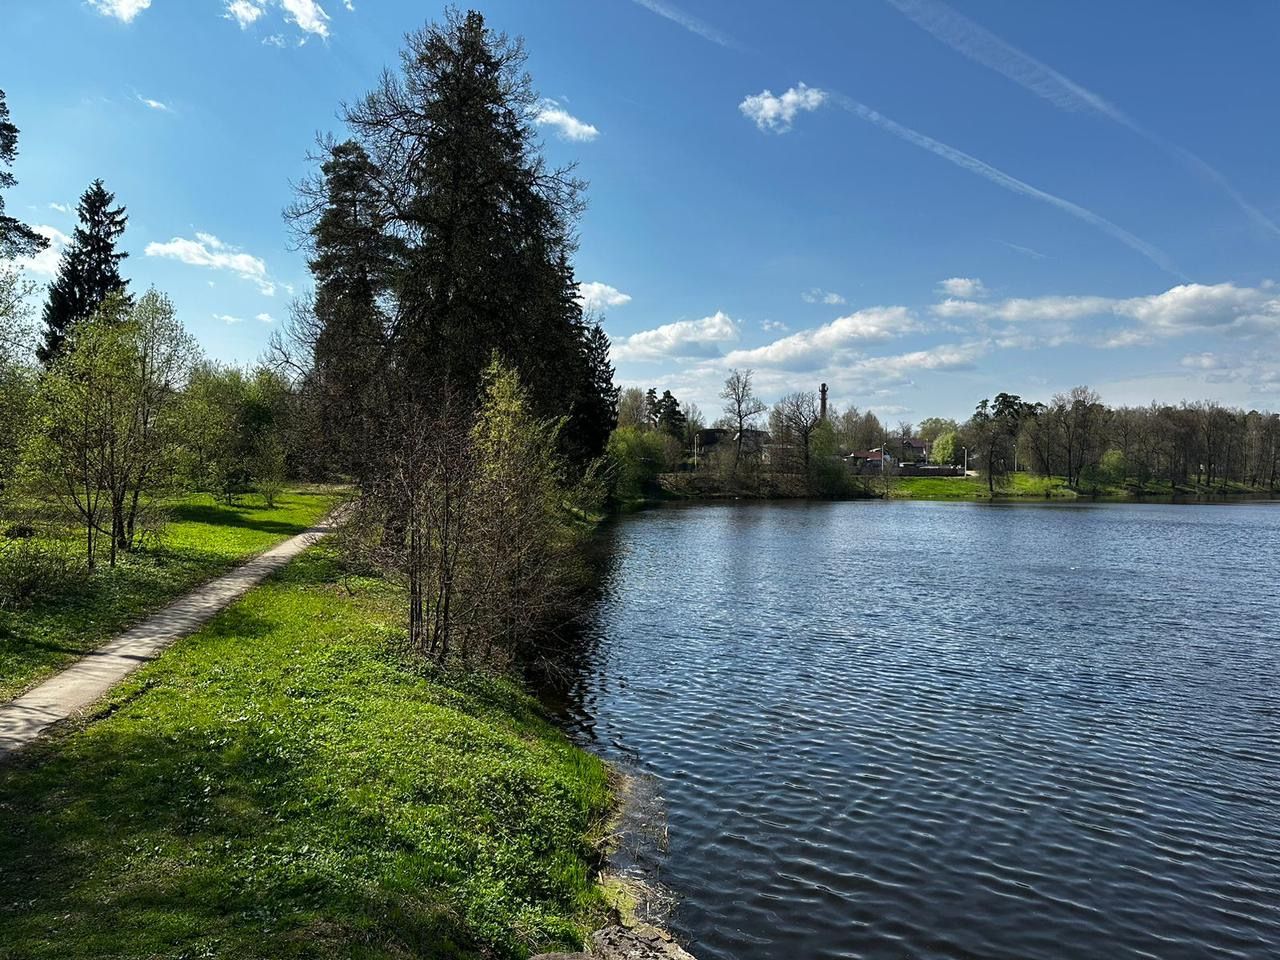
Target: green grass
[(202, 540), (1031, 486), (286, 784), (975, 488)]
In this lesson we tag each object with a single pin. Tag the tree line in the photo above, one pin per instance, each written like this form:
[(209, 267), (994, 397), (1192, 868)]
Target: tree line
[(1078, 437), (791, 448)]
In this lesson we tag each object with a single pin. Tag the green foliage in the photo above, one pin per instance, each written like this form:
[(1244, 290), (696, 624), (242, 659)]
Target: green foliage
[(33, 569), (107, 437), (931, 428), (944, 448), (1113, 467), (285, 785), (236, 428), (200, 541), (17, 379), (636, 457)]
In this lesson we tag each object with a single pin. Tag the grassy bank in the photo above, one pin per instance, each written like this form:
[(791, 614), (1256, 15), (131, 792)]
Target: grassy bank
[(1029, 486), (975, 488), (285, 783), (202, 540)]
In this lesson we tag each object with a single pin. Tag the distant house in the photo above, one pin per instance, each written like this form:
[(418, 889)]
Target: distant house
[(869, 461), (708, 440), (915, 450)]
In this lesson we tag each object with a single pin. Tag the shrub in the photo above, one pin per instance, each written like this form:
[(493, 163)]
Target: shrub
[(31, 568)]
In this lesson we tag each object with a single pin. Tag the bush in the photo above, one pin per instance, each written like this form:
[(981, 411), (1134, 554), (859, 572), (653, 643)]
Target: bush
[(31, 568), (636, 457)]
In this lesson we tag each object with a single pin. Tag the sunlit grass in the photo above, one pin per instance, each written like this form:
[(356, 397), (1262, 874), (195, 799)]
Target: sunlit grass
[(285, 783), (1027, 485), (202, 539)]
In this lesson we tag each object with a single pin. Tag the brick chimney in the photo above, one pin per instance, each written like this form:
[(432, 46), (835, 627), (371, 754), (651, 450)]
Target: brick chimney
[(822, 410)]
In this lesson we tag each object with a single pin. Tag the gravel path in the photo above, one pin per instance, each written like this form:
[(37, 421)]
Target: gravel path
[(87, 680)]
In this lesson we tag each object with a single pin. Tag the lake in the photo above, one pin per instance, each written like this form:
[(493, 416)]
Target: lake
[(912, 729)]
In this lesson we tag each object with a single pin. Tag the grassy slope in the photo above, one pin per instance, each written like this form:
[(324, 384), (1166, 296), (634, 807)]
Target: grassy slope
[(201, 541), (282, 784), (1027, 485)]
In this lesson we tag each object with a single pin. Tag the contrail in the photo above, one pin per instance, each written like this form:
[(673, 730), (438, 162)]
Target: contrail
[(982, 46), (689, 22), (1000, 178)]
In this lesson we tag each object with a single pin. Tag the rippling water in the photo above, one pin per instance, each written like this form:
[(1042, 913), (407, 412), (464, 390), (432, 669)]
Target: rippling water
[(951, 730)]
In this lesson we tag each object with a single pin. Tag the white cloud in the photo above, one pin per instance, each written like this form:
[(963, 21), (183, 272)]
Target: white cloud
[(154, 104), (566, 125), (243, 12), (62, 208), (946, 356), (1202, 361), (965, 288), (775, 114), (227, 318), (596, 296), (206, 250), (684, 339), (816, 295), (308, 15), (814, 348), (45, 263), (123, 10), (773, 325), (1187, 308), (265, 318)]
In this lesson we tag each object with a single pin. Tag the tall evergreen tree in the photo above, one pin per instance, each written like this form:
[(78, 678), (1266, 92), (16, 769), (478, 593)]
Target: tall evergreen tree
[(89, 271), (352, 265), (486, 227), (16, 238), (593, 407)]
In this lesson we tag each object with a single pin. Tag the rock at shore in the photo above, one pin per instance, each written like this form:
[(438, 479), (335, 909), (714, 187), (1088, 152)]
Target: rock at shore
[(641, 942)]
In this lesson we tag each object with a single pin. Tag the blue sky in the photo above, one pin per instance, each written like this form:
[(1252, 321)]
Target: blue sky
[(920, 204)]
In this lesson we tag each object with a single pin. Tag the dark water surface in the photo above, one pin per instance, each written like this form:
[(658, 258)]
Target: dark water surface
[(951, 730)]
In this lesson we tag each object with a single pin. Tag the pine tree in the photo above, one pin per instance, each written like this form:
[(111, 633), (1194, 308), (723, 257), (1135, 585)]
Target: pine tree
[(16, 238), (89, 271)]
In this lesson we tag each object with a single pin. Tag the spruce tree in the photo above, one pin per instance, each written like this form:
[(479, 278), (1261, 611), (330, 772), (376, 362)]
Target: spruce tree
[(352, 262), (89, 271), (487, 229), (16, 238)]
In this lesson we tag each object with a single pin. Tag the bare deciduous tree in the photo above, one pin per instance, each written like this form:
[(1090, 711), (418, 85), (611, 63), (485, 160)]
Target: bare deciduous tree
[(742, 407)]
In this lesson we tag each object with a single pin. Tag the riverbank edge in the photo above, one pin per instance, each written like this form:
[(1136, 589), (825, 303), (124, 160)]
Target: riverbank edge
[(1058, 496), (640, 907)]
